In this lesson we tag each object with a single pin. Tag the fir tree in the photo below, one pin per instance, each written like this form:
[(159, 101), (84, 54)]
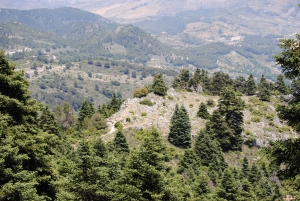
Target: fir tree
[(195, 80), (240, 84), (222, 132), (180, 129), (85, 111), (158, 85), (219, 80), (47, 121), (90, 179), (183, 79), (190, 164), (231, 108), (143, 176), (227, 188), (280, 86), (245, 167), (202, 112), (264, 92), (206, 148), (26, 153), (250, 86), (120, 143)]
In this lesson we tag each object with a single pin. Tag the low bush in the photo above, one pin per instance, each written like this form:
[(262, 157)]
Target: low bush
[(147, 102)]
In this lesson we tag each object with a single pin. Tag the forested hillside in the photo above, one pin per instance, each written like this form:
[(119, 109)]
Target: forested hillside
[(42, 151), (94, 110)]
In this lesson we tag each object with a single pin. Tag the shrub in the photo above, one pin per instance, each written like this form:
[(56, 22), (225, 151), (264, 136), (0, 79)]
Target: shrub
[(255, 119), (147, 102), (140, 92), (118, 125), (270, 116), (257, 113), (144, 114), (115, 82), (170, 97), (128, 119), (210, 103)]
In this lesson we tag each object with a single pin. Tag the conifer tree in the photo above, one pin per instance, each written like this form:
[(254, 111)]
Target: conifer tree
[(120, 143), (190, 164), (183, 79), (85, 111), (250, 86), (223, 134), (201, 186), (26, 171), (253, 174), (227, 188), (47, 121), (205, 147), (65, 116), (90, 179), (280, 86), (202, 112), (143, 178), (245, 167), (264, 92), (180, 129), (219, 80), (158, 85), (196, 79), (231, 108), (100, 148), (240, 84)]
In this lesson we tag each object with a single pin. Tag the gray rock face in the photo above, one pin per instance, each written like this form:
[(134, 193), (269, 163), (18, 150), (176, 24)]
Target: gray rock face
[(258, 143)]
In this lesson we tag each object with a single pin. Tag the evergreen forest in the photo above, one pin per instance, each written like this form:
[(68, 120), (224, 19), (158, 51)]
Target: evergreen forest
[(59, 141)]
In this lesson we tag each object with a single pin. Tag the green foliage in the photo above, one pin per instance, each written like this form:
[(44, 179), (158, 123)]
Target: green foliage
[(119, 125), (158, 86), (227, 187), (189, 165), (255, 119), (85, 111), (120, 143), (264, 91), (210, 103), (65, 115), (202, 112), (47, 122), (110, 108), (98, 121), (141, 92), (25, 158), (180, 129), (281, 86), (143, 175), (219, 81), (207, 148), (250, 86), (231, 107), (287, 58), (147, 102)]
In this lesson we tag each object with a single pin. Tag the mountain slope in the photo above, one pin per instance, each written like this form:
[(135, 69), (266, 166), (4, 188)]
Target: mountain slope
[(258, 124), (51, 19)]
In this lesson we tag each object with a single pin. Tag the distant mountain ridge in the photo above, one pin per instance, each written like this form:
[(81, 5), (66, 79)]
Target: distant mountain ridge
[(51, 19)]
